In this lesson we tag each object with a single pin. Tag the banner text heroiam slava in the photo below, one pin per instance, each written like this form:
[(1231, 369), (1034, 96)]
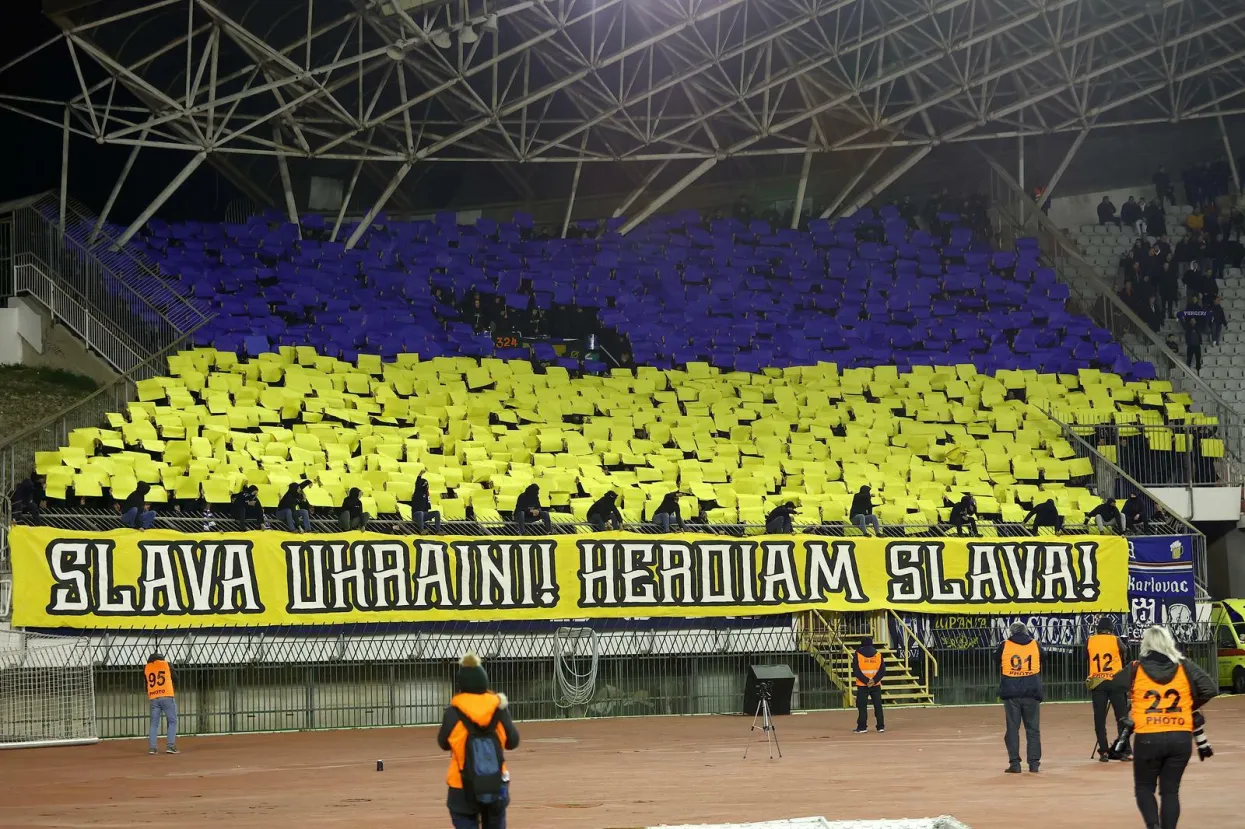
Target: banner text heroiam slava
[(128, 578)]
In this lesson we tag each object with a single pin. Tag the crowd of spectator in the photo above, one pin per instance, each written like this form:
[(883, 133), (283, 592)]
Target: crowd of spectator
[(293, 513)]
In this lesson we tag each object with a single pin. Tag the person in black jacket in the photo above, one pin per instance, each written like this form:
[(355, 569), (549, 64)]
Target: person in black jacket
[(1163, 723), (527, 508), (868, 669), (30, 498), (1192, 338), (1045, 514), (1020, 689), (136, 512), (604, 513), (779, 521), (1107, 654), (245, 504), (667, 514), (1130, 213), (1218, 319), (861, 513), (293, 510), (1107, 514), (473, 702), (351, 515), (1106, 212), (1137, 511), (964, 514), (1163, 187), (421, 506)]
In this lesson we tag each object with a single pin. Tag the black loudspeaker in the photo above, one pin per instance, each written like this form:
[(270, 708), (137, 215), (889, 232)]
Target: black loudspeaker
[(777, 680)]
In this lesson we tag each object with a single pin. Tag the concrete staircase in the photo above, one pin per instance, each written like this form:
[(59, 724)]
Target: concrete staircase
[(830, 638), (1223, 366)]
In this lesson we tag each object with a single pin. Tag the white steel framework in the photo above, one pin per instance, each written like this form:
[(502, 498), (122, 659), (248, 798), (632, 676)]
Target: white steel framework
[(676, 86)]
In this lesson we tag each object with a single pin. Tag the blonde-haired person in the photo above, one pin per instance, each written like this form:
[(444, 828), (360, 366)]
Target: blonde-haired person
[(1164, 689), (476, 730)]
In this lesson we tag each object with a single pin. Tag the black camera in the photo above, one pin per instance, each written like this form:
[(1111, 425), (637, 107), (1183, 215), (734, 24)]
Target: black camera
[(765, 691)]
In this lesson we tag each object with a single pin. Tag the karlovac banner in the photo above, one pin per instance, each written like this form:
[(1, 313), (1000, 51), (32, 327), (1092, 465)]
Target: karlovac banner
[(127, 578)]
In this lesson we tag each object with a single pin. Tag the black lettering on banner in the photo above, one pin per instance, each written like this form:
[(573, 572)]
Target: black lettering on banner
[(778, 579), (238, 586), (985, 581), (434, 587), (496, 572), (1021, 570), (908, 576), (306, 588), (201, 573), (719, 573), (1058, 580), (941, 590), (348, 578), (675, 570), (598, 574), (110, 600), (389, 587), (69, 562), (549, 592), (830, 573), (1090, 588), (159, 590), (638, 585)]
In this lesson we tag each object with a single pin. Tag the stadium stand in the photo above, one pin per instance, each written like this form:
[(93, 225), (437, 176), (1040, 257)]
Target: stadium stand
[(869, 290), (1223, 365), (483, 430)]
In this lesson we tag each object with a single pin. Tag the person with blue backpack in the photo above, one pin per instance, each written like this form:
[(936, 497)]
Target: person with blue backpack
[(477, 731)]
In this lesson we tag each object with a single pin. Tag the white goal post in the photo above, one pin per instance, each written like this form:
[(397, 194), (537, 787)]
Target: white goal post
[(47, 691)]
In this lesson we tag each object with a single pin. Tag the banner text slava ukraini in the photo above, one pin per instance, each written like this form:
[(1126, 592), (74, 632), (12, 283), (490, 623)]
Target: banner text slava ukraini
[(126, 578)]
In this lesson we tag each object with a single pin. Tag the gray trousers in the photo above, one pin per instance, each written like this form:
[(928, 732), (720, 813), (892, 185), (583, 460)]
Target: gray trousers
[(168, 707), (1024, 711)]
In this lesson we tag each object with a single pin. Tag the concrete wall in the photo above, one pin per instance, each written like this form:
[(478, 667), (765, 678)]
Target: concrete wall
[(30, 337)]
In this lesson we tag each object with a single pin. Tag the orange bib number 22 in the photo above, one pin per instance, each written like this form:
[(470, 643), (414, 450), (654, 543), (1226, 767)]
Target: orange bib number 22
[(1158, 708)]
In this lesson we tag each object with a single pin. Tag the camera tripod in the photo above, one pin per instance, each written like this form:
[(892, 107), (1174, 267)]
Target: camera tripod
[(766, 721)]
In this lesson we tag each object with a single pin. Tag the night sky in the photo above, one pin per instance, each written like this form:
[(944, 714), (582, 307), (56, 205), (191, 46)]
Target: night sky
[(32, 150)]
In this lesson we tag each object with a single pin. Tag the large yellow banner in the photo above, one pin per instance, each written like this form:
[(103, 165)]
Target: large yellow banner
[(128, 579)]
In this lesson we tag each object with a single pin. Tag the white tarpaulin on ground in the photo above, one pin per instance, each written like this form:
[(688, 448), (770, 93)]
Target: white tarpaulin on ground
[(943, 822)]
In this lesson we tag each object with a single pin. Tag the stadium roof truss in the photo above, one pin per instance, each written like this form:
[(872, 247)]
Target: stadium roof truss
[(676, 86)]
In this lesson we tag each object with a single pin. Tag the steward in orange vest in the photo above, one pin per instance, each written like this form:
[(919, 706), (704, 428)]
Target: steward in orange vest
[(868, 669), (1105, 676), (476, 729), (1164, 691), (158, 682), (1020, 662)]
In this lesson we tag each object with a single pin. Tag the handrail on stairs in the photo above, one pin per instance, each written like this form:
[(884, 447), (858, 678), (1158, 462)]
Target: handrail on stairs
[(910, 635), (817, 623)]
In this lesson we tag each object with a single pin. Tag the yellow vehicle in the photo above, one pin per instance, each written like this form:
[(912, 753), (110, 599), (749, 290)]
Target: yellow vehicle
[(1228, 618)]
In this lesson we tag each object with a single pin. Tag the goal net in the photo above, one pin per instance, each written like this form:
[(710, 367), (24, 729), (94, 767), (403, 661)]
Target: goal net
[(47, 692)]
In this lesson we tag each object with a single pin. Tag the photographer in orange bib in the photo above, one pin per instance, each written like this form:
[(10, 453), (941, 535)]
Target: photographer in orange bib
[(1105, 680), (1164, 691), (158, 679), (1020, 688)]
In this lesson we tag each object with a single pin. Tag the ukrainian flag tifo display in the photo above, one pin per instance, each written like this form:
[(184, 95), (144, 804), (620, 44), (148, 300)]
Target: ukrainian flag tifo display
[(157, 578)]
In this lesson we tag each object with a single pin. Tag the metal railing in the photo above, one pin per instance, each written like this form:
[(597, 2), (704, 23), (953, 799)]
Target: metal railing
[(99, 334), (1111, 479), (1018, 215), (1164, 455), (6, 257), (130, 265), (903, 643), (116, 296), (17, 455), (248, 679), (90, 520)]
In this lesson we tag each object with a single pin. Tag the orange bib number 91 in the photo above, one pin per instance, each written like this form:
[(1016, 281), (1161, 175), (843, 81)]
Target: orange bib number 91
[(1021, 660)]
